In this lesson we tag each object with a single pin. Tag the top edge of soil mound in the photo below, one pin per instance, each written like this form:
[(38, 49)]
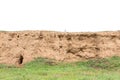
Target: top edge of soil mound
[(60, 32)]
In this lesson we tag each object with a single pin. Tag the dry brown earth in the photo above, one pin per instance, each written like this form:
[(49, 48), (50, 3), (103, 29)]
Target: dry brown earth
[(23, 46)]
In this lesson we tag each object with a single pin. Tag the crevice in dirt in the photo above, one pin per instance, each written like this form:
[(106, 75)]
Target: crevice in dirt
[(18, 36), (20, 59), (9, 39), (68, 37), (25, 34)]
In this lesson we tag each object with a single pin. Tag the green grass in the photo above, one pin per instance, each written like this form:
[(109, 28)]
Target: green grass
[(45, 69)]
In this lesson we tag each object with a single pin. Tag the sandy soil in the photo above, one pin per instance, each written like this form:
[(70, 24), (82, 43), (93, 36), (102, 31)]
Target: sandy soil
[(23, 46)]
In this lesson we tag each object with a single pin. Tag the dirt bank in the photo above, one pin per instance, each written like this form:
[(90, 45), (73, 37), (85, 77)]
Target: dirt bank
[(24, 46)]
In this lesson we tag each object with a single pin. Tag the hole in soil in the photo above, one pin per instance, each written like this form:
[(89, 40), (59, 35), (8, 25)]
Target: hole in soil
[(26, 35), (18, 36), (68, 37), (60, 46), (20, 61)]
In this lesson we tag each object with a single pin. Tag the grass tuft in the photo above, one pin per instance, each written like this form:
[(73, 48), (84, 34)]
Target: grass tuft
[(105, 63)]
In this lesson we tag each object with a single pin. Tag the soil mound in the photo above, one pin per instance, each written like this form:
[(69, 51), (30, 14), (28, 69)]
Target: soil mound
[(23, 46)]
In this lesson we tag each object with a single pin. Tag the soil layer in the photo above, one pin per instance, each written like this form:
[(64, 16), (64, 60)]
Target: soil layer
[(23, 46)]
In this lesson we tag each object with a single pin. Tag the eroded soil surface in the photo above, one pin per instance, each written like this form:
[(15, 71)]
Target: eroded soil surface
[(23, 46)]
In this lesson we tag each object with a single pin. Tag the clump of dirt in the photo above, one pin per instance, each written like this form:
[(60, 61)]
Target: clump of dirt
[(24, 46)]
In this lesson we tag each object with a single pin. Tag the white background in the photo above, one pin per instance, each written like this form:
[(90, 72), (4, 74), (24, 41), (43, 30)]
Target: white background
[(60, 15)]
